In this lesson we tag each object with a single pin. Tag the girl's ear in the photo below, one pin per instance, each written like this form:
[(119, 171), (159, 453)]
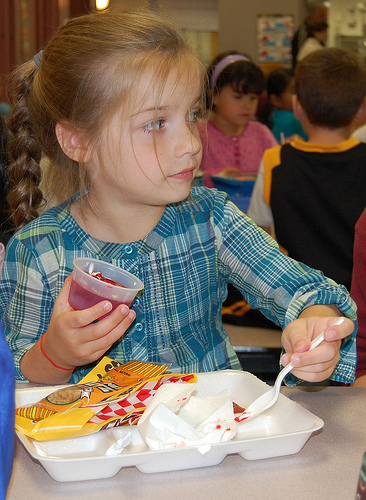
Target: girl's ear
[(297, 108), (73, 143)]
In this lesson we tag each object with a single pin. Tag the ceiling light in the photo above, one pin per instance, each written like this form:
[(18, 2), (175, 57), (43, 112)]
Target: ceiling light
[(101, 4)]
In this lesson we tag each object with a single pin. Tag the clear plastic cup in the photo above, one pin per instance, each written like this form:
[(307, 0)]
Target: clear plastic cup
[(87, 290)]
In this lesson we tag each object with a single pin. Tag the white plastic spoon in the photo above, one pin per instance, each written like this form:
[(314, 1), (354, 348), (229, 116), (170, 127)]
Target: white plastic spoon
[(270, 397)]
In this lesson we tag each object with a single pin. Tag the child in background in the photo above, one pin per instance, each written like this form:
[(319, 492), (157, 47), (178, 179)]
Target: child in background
[(315, 12), (317, 36), (232, 140), (281, 119), (313, 192), (112, 102)]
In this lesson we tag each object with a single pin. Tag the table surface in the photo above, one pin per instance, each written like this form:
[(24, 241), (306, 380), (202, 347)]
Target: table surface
[(247, 337), (326, 468)]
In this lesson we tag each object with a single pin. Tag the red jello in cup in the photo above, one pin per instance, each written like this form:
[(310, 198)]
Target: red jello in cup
[(94, 280)]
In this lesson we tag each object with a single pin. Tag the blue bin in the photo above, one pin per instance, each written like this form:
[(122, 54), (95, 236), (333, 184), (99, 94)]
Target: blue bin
[(239, 191), (7, 413)]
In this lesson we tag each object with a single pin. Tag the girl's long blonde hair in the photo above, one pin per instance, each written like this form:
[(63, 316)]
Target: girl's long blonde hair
[(89, 70)]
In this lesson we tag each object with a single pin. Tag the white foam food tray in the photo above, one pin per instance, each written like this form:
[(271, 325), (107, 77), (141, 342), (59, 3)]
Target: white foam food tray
[(281, 430)]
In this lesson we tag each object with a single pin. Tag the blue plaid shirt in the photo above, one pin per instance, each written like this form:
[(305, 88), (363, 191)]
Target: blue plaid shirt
[(185, 263)]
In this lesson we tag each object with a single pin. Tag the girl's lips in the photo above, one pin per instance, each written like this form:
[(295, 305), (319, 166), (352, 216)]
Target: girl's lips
[(187, 174)]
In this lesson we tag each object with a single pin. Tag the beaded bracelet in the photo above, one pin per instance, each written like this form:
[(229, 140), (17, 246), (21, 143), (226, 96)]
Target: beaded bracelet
[(50, 360)]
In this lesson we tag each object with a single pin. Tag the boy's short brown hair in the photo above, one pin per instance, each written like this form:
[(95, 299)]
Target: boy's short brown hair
[(331, 86)]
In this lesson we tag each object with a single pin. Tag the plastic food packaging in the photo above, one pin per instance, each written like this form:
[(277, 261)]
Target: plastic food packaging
[(119, 397)]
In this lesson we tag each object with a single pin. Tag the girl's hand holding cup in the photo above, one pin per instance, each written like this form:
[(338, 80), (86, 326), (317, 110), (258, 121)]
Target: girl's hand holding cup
[(75, 338)]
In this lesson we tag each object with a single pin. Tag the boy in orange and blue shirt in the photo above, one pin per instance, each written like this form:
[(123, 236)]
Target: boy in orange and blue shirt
[(312, 193)]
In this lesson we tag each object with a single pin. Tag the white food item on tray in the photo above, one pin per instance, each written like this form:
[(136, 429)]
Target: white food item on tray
[(281, 430), (176, 419)]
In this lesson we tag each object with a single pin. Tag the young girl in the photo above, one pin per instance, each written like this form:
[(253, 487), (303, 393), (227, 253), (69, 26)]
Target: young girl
[(112, 103), (231, 138), (281, 119)]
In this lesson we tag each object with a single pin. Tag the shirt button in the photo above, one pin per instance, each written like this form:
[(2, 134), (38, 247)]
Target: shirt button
[(129, 249), (234, 138), (137, 302), (139, 327)]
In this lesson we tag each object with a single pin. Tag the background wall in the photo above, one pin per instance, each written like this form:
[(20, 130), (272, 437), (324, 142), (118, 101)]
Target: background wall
[(199, 18), (347, 20), (189, 14), (233, 21), (238, 21), (213, 25), (25, 27)]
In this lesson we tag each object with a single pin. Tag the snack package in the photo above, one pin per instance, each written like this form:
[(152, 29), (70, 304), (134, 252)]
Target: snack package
[(116, 397), (129, 409), (119, 381)]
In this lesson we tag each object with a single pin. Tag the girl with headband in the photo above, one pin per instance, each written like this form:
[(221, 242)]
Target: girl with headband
[(233, 142)]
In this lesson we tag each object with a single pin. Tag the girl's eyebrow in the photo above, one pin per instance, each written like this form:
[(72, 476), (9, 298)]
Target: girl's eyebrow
[(149, 110), (162, 108), (197, 100)]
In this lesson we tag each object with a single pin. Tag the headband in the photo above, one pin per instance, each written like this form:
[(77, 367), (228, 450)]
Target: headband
[(224, 63)]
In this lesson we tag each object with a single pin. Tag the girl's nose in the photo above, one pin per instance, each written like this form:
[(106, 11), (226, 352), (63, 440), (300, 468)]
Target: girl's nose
[(189, 141), (247, 104)]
